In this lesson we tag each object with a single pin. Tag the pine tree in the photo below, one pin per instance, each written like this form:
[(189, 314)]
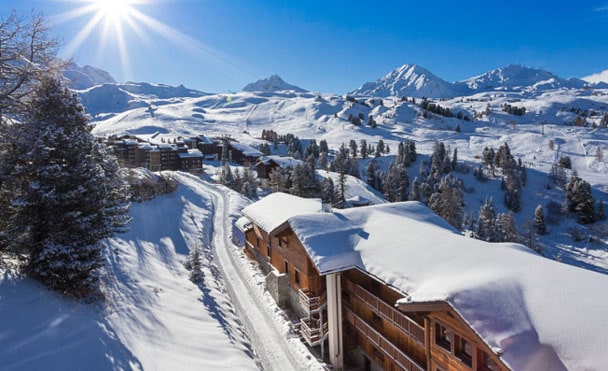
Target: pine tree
[(486, 221), (505, 226), (579, 200), (353, 148), (415, 193), (66, 190), (328, 192), (194, 264), (539, 220), (363, 150), (448, 201)]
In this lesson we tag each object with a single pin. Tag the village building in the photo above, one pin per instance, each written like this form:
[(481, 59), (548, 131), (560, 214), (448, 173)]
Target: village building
[(266, 164), (157, 156), (395, 287)]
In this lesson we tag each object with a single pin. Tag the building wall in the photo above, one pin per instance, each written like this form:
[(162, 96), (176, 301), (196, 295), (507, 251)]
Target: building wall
[(382, 330), (392, 339), (463, 349)]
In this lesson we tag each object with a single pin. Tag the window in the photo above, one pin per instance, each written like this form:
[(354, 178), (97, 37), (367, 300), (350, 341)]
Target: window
[(296, 277), (286, 267), (443, 337), (376, 320), (282, 243), (257, 242), (269, 251), (464, 350), (486, 363)]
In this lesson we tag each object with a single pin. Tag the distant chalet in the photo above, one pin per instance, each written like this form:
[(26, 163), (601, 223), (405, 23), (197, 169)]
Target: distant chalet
[(185, 154), (394, 287)]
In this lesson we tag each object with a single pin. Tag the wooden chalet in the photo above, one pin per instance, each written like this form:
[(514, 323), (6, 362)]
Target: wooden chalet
[(368, 282), (241, 153), (266, 164)]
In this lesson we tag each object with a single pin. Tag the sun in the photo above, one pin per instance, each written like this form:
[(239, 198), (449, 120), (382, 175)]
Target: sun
[(114, 10)]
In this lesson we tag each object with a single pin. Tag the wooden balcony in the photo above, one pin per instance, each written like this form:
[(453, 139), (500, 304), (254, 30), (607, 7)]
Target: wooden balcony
[(310, 301), (383, 345), (388, 312), (312, 332)]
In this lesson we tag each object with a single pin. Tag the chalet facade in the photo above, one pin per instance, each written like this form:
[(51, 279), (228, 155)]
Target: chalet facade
[(266, 164), (358, 289)]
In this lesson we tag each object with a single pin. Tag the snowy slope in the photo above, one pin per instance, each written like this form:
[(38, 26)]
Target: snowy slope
[(115, 98), (270, 84), (154, 318)]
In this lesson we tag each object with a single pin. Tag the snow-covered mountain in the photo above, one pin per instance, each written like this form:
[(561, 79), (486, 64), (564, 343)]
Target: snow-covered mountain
[(415, 81), (270, 84), (410, 80), (81, 78), (115, 98), (518, 77)]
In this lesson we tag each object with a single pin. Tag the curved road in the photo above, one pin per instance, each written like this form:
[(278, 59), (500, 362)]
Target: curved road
[(270, 344)]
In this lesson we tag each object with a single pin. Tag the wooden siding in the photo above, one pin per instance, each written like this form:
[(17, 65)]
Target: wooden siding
[(291, 251), (450, 359), (396, 329)]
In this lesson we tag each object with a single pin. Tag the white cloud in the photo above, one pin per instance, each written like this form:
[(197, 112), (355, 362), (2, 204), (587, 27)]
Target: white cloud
[(597, 77)]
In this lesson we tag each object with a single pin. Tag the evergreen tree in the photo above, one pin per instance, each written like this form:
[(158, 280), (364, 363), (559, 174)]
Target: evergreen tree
[(328, 192), (226, 176), (194, 264), (353, 148), (448, 201), (539, 220), (323, 161), (278, 180), (505, 228), (249, 185), (415, 193), (579, 200), (66, 190), (395, 183), (486, 221), (363, 146), (323, 146)]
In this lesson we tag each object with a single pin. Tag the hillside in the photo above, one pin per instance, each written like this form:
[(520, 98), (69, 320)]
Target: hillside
[(539, 137), (154, 317)]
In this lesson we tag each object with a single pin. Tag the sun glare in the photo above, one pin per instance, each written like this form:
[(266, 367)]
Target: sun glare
[(113, 9), (115, 22)]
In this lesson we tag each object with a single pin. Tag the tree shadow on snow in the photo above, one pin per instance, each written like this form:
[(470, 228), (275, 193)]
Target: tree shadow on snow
[(40, 331)]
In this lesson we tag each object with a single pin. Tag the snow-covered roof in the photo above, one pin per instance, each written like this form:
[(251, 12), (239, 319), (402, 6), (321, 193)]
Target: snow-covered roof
[(191, 153), (246, 150), (504, 291), (243, 224), (275, 209), (283, 162)]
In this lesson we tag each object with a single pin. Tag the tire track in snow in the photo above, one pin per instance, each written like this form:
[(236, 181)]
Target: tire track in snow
[(269, 343)]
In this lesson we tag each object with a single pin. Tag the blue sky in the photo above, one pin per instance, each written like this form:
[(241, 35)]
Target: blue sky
[(331, 46)]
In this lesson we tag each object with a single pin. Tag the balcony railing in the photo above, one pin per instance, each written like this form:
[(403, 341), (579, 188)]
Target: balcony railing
[(312, 332), (390, 313), (310, 301), (381, 342)]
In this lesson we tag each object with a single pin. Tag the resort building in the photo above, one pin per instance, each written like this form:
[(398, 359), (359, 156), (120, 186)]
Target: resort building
[(395, 287)]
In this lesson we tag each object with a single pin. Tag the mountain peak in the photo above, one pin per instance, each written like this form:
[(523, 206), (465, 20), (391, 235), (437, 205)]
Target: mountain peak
[(409, 80), (271, 84), (517, 76)]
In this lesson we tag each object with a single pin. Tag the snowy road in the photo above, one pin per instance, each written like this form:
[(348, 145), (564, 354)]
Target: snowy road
[(276, 347)]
